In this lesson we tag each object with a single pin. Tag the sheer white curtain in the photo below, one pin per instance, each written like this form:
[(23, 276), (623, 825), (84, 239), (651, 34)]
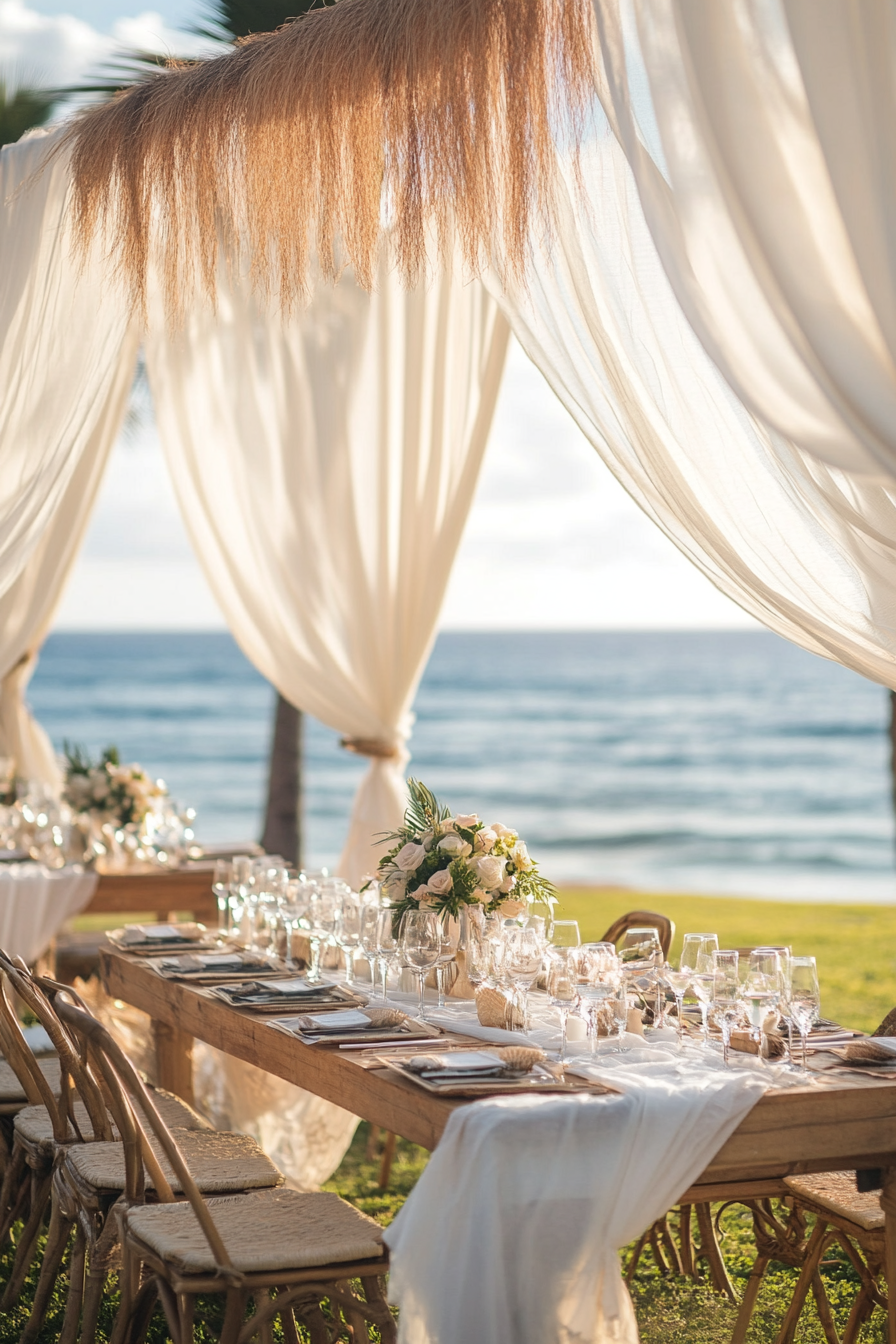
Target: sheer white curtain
[(67, 355), (762, 134), (324, 467), (806, 548)]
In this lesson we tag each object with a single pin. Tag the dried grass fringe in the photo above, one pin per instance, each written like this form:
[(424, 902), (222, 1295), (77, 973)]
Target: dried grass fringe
[(435, 116)]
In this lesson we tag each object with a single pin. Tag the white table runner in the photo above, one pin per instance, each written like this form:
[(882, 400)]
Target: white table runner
[(36, 901)]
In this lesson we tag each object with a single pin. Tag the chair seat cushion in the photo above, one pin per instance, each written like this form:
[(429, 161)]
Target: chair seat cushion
[(219, 1162), (836, 1192), (12, 1090), (272, 1230), (34, 1125)]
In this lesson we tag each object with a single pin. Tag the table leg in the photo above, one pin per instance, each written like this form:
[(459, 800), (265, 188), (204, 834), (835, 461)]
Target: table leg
[(174, 1060), (888, 1204)]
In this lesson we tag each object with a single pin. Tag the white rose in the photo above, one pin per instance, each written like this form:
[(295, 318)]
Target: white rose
[(508, 884), (481, 896), (428, 839), (441, 883), (455, 846), (499, 830), (467, 820), (489, 870), (410, 857), (447, 826), (484, 840), (520, 856)]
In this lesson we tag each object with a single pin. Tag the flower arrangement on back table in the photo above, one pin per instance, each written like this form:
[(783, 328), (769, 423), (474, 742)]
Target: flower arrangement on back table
[(442, 862), (121, 794)]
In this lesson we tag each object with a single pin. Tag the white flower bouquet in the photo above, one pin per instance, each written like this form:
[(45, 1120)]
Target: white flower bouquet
[(441, 862), (109, 791)]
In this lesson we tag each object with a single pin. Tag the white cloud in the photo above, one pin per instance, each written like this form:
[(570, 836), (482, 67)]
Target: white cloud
[(58, 49)]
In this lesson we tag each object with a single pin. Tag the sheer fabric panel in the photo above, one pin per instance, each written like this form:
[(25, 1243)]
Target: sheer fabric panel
[(807, 549), (325, 466), (67, 356), (762, 134)]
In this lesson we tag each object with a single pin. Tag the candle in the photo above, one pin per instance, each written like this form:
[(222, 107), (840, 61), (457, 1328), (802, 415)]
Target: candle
[(576, 1030)]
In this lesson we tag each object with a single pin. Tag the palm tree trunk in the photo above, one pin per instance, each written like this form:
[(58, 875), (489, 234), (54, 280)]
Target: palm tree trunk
[(283, 814)]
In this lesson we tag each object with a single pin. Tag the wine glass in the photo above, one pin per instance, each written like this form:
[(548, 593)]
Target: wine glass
[(292, 905), (599, 972), (619, 1012), (565, 933), (447, 954), (762, 992), (522, 964), (421, 946), (696, 956), (348, 932), (387, 948), (641, 947), (370, 914), (805, 998), (725, 1004), (323, 913), (678, 982), (562, 987), (221, 880)]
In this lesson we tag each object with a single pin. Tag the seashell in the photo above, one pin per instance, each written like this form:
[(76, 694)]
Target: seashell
[(888, 1026), (521, 1058), (495, 1010), (386, 1017), (868, 1052)]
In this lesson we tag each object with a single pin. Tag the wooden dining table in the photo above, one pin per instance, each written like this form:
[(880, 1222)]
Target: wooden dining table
[(841, 1123)]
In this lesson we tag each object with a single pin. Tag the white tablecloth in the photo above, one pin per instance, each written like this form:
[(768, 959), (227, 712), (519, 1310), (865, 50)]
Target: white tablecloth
[(512, 1234), (36, 901)]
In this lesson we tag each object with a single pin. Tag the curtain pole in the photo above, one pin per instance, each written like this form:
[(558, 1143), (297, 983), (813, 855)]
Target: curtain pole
[(284, 811)]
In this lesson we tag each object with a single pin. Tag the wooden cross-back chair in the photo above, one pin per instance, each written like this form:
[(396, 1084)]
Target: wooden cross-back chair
[(289, 1252), (88, 1178), (642, 919)]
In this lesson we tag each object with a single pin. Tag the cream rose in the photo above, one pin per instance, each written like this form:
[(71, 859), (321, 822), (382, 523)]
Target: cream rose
[(510, 909), (441, 883), (481, 896), (467, 820), (508, 884), (501, 831), (484, 840), (410, 857), (489, 870), (455, 846)]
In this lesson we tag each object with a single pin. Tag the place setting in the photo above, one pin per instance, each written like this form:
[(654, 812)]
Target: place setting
[(150, 940)]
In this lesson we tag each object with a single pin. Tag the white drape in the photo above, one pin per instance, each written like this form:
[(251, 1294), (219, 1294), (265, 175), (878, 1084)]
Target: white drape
[(762, 134), (324, 467), (807, 549), (67, 356)]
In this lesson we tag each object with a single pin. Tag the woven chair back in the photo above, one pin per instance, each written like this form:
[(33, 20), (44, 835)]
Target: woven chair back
[(75, 1076), (642, 919), (120, 1073)]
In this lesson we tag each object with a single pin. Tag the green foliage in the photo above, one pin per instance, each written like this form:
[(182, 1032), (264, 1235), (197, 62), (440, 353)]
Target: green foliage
[(21, 109)]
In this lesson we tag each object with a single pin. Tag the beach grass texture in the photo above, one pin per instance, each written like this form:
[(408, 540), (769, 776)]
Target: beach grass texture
[(856, 951)]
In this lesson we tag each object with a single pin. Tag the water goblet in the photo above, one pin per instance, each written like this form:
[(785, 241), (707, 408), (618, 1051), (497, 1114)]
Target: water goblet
[(599, 972), (805, 999), (348, 932), (447, 954), (523, 963), (678, 982), (421, 945), (565, 933), (221, 881), (322, 916), (292, 905), (696, 956), (387, 946), (726, 1006), (370, 913), (562, 987)]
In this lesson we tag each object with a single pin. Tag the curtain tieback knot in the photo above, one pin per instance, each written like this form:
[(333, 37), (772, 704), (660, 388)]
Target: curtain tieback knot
[(376, 747)]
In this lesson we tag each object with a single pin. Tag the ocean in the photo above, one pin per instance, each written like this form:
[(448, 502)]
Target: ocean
[(724, 762)]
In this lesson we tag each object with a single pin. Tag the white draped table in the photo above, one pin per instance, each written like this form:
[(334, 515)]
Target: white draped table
[(36, 901), (516, 1222)]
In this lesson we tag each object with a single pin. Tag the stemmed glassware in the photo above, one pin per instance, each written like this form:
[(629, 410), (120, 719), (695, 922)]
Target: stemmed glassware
[(292, 905), (599, 976), (678, 981), (562, 987), (641, 953), (421, 946), (762, 993), (524, 955), (447, 954), (323, 913), (348, 932), (805, 998), (221, 880), (370, 914), (387, 944), (696, 957), (726, 1006), (565, 933)]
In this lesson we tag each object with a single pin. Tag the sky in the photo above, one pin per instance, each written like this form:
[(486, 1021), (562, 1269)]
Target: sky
[(551, 537)]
